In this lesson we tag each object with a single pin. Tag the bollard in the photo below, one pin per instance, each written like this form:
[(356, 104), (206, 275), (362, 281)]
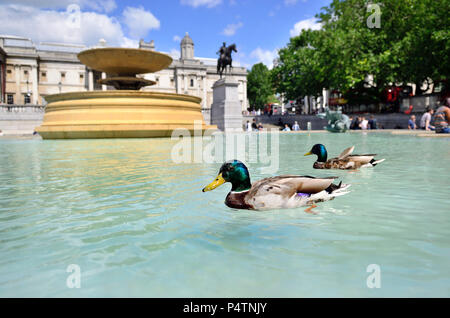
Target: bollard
[(308, 125)]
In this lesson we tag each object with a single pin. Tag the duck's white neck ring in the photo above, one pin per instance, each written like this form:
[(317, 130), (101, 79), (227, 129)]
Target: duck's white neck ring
[(240, 191)]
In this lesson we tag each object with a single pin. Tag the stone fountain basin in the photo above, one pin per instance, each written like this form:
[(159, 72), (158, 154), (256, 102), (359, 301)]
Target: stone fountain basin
[(120, 114), (124, 61)]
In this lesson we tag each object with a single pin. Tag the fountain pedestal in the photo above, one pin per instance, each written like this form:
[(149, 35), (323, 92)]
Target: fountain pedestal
[(226, 109)]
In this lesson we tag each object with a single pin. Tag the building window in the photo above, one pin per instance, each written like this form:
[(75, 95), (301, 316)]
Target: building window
[(63, 75), (26, 99), (172, 81), (8, 71), (44, 74), (25, 72), (192, 82), (10, 99)]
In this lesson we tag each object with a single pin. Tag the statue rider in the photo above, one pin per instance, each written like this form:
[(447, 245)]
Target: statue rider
[(222, 51)]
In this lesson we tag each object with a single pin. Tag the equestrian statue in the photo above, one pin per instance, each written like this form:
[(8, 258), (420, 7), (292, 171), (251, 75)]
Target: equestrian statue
[(225, 58)]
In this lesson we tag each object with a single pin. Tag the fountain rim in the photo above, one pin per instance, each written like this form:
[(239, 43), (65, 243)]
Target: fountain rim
[(119, 94)]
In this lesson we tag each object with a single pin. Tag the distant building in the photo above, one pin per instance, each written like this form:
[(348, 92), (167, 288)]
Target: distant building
[(29, 72)]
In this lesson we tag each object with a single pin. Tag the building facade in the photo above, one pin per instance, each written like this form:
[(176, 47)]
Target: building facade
[(30, 72)]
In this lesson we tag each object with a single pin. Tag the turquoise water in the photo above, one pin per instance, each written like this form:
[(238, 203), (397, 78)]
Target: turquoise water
[(137, 224)]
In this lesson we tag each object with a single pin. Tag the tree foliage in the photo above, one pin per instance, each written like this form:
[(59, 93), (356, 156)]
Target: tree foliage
[(411, 45), (259, 87)]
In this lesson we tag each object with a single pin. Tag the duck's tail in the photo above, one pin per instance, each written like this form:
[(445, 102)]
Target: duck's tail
[(334, 190), (372, 163), (337, 189)]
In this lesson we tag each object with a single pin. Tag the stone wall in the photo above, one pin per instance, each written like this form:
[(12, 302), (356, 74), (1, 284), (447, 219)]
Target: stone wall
[(20, 119), (385, 121)]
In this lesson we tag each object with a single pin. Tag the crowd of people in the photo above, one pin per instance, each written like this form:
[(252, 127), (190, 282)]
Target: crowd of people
[(432, 120), (438, 121), (360, 122)]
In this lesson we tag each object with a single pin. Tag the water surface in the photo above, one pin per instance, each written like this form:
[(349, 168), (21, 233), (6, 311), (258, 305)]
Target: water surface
[(138, 224)]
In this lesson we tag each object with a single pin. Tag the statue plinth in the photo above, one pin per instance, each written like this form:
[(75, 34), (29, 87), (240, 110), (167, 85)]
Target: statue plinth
[(226, 109)]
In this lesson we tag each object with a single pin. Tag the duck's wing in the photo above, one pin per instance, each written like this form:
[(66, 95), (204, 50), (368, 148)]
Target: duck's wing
[(347, 152), (288, 185), (276, 192), (363, 159)]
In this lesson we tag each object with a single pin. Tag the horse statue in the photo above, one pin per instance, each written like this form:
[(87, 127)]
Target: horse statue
[(225, 58)]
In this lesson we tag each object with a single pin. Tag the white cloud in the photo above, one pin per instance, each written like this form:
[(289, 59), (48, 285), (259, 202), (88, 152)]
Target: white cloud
[(176, 38), (199, 3), (231, 29), (57, 26), (310, 23), (130, 43), (139, 21), (264, 56), (175, 54)]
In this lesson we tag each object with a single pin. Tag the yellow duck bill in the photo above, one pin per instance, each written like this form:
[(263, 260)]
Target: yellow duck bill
[(217, 182), (308, 153)]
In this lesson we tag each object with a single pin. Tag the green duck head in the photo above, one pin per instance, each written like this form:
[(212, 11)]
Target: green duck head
[(320, 151), (232, 171)]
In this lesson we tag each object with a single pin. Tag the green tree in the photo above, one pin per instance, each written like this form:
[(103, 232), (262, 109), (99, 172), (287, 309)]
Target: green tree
[(411, 45), (259, 88)]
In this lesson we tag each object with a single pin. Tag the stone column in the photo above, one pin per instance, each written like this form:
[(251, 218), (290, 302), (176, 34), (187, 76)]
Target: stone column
[(205, 102), (18, 86), (226, 110), (34, 88), (91, 80), (185, 84), (104, 86), (178, 83)]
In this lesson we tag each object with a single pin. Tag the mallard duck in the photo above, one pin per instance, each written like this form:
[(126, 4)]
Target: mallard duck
[(345, 160), (288, 191)]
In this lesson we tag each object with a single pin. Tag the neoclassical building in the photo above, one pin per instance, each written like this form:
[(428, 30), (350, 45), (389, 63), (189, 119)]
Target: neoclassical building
[(29, 72)]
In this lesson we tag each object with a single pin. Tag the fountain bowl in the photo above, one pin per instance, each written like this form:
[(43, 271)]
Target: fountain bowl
[(124, 61)]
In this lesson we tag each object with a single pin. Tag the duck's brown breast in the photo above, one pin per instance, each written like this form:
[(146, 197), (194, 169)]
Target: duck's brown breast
[(236, 200)]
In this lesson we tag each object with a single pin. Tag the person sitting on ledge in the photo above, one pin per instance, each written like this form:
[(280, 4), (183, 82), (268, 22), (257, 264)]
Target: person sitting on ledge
[(412, 122), (286, 127), (442, 120), (372, 122), (425, 120)]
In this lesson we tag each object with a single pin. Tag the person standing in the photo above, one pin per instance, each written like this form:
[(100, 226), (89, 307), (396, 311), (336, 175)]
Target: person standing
[(248, 126), (412, 122), (363, 123), (425, 120), (296, 127), (254, 125), (372, 122)]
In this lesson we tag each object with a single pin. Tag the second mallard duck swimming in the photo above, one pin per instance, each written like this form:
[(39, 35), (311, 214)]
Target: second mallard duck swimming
[(345, 160)]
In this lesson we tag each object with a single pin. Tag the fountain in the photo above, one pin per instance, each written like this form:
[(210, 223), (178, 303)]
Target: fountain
[(124, 112)]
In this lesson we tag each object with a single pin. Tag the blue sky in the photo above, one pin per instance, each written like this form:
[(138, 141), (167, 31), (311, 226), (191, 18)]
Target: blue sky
[(258, 27)]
